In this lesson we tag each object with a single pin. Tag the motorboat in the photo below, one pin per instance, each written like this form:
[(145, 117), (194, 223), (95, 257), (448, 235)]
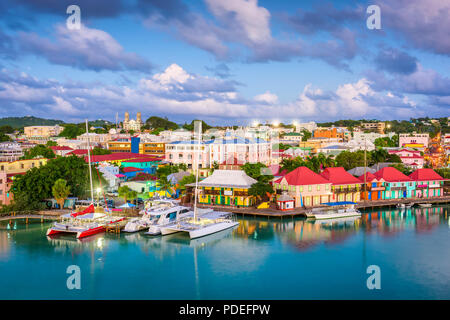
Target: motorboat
[(84, 223), (400, 205), (155, 215), (335, 210), (425, 205)]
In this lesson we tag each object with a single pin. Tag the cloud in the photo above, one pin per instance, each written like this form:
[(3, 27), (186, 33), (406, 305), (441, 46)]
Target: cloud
[(396, 61), (86, 49), (221, 70), (424, 24), (267, 97)]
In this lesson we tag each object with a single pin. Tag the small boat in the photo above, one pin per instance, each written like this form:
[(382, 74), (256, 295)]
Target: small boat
[(409, 205), (335, 210), (425, 205), (400, 205)]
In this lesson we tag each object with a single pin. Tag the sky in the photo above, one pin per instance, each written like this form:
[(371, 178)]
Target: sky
[(227, 62)]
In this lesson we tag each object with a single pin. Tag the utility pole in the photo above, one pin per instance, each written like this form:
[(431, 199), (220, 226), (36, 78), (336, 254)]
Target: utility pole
[(365, 166)]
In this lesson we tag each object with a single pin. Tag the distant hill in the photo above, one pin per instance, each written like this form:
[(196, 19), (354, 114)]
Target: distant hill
[(19, 122)]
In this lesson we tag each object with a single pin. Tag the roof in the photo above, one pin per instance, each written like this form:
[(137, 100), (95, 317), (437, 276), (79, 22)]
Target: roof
[(391, 174), (425, 174), (57, 148), (381, 165), (131, 169), (227, 179), (138, 160), (303, 176), (117, 156), (338, 175), (369, 177), (78, 152), (358, 171), (404, 150)]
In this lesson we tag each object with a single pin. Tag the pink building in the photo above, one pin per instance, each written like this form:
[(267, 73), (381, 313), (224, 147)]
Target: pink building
[(414, 139), (411, 158)]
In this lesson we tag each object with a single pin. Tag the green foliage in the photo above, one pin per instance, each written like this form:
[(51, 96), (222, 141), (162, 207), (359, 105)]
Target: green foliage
[(6, 129), (260, 190), (281, 146), (20, 122), (186, 180), (39, 151), (51, 143), (350, 160), (258, 171), (126, 193), (164, 184), (306, 135), (60, 191), (71, 131), (4, 137), (164, 171), (443, 172), (36, 184), (342, 123), (161, 123), (100, 151), (386, 142), (190, 127), (314, 163), (402, 168)]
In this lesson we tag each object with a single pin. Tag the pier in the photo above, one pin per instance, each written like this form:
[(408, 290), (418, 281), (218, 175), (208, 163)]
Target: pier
[(305, 212), (116, 227)]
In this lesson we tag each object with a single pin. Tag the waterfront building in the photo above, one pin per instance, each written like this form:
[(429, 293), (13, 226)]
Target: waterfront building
[(305, 186), (428, 183), (345, 187), (226, 187), (10, 151), (374, 187), (285, 202), (397, 185), (410, 158), (414, 140)]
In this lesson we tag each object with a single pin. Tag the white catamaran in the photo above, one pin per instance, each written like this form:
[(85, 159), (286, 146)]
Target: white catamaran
[(200, 223), (335, 210)]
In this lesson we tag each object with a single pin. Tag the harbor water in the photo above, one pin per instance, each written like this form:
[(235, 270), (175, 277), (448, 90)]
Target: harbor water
[(260, 259)]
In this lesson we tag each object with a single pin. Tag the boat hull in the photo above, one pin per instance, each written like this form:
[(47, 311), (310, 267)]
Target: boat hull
[(212, 229)]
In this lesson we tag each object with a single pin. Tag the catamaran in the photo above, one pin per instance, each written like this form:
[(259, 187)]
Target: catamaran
[(200, 224), (335, 210), (87, 222)]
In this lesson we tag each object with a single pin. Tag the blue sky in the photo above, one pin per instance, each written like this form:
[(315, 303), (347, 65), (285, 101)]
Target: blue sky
[(228, 62)]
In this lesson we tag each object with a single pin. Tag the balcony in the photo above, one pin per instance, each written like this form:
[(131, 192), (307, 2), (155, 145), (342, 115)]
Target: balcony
[(346, 190)]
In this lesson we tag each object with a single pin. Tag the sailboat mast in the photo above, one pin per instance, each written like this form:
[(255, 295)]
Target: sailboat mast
[(89, 161), (196, 155), (365, 166)]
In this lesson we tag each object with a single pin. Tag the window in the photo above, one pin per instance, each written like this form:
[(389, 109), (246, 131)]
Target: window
[(318, 187), (301, 188), (309, 188)]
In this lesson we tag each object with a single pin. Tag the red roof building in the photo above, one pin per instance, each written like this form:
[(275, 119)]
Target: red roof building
[(131, 169), (345, 186), (61, 150), (426, 175), (119, 157), (390, 174), (78, 152), (428, 183), (305, 186)]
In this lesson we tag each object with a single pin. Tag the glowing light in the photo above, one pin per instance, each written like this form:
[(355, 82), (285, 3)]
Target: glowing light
[(275, 123), (255, 123), (99, 190)]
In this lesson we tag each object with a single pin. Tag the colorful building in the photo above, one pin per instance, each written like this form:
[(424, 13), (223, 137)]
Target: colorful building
[(305, 186), (148, 165), (374, 188), (345, 187), (397, 185), (410, 158), (428, 183), (226, 187)]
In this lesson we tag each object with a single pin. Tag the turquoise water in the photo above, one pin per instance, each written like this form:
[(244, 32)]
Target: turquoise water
[(261, 259)]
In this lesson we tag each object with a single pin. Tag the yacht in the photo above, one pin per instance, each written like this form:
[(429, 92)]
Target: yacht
[(335, 210), (200, 224), (155, 214), (425, 205)]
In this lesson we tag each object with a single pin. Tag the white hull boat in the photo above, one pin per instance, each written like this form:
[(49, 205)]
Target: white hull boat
[(425, 205), (336, 210)]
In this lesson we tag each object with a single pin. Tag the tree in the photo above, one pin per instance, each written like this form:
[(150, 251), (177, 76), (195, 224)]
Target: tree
[(306, 135), (258, 171), (36, 184), (60, 191), (186, 180), (378, 155), (191, 126), (164, 171), (51, 143), (71, 131), (99, 151), (4, 137), (124, 192), (260, 190), (39, 151), (164, 184), (163, 123), (350, 160), (6, 129)]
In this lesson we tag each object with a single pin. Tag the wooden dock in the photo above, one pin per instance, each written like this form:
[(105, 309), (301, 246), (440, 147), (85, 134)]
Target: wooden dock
[(302, 212), (116, 227)]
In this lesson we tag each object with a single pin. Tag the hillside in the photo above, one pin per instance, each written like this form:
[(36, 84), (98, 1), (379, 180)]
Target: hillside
[(19, 122)]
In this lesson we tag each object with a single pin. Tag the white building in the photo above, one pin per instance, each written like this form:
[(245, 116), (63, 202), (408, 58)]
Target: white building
[(110, 173), (10, 151), (409, 139), (176, 135), (360, 136), (310, 126)]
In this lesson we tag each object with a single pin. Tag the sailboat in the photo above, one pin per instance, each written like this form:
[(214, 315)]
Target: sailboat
[(203, 224), (87, 222)]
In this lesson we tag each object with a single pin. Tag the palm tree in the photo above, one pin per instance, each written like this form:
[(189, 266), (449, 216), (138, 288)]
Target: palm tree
[(164, 184), (60, 191), (124, 192)]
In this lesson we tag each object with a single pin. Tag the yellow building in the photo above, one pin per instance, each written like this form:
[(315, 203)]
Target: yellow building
[(152, 148), (119, 146), (21, 166)]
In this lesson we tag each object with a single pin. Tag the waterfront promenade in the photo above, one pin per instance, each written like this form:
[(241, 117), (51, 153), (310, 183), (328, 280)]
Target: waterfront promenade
[(304, 212)]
